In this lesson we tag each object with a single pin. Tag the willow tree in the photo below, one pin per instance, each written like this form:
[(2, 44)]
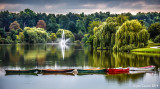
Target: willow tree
[(105, 33), (130, 35)]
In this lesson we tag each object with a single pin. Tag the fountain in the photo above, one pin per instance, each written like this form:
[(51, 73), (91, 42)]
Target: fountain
[(63, 42)]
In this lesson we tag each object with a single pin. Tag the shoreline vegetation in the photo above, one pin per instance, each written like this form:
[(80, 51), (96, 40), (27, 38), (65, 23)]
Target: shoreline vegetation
[(101, 30)]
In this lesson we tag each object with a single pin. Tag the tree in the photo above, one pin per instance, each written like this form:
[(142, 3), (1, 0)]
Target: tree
[(35, 35), (13, 35), (2, 33), (72, 27), (92, 25), (14, 26), (154, 30), (121, 19), (130, 35), (68, 34), (52, 25), (41, 24), (80, 27), (63, 21)]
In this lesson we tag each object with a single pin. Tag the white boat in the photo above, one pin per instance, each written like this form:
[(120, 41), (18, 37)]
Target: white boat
[(146, 68), (140, 72)]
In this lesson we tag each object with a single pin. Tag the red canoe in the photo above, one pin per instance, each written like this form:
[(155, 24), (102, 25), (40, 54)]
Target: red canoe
[(118, 70)]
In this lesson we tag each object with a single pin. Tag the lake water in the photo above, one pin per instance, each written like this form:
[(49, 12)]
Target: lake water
[(44, 56)]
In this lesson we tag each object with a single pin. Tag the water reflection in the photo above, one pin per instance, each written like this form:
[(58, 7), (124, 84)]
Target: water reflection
[(103, 58), (22, 56), (76, 55)]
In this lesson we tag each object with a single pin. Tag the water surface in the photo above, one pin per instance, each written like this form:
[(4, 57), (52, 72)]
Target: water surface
[(43, 56)]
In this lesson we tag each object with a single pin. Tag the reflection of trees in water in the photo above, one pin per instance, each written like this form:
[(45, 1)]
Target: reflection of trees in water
[(103, 58), (32, 54), (122, 78)]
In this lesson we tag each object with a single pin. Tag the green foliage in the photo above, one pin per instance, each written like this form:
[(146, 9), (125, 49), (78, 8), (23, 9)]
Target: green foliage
[(85, 38), (92, 25), (35, 35), (80, 27), (5, 40), (105, 33), (121, 19), (131, 33), (52, 26), (154, 30), (157, 39), (68, 34), (13, 35), (21, 37), (2, 32), (53, 36)]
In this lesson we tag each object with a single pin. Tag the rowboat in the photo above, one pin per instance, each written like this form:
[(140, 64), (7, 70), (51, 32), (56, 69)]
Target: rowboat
[(55, 70), (68, 74), (21, 74), (146, 68), (21, 71), (140, 72), (118, 70), (94, 70)]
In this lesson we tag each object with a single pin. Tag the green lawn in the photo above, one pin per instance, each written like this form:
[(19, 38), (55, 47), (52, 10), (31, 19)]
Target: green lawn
[(148, 49)]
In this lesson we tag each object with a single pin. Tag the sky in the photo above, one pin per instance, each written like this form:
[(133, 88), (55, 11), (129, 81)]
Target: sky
[(79, 6)]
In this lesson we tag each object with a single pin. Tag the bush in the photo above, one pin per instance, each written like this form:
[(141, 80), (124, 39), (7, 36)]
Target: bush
[(53, 36), (77, 42)]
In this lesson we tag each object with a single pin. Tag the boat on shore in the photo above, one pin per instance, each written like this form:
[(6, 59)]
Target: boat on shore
[(93, 70), (118, 70), (55, 70), (21, 71), (146, 68)]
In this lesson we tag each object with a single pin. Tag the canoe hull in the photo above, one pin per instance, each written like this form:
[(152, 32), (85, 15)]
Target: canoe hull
[(91, 71), (147, 68), (56, 71), (121, 70), (21, 71)]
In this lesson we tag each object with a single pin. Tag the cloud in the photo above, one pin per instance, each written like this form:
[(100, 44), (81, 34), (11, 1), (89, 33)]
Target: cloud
[(78, 6)]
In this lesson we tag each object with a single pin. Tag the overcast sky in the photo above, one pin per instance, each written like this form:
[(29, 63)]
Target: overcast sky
[(78, 6)]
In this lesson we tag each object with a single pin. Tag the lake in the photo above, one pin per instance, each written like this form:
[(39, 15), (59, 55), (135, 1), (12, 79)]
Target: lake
[(44, 56)]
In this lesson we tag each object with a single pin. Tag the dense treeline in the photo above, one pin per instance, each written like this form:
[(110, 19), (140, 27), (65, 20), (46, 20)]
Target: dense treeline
[(77, 23), (102, 30)]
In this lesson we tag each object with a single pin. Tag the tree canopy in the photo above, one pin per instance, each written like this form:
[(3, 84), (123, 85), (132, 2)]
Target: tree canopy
[(154, 30), (131, 34)]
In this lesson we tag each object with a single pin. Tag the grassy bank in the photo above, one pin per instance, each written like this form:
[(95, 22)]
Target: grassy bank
[(148, 49)]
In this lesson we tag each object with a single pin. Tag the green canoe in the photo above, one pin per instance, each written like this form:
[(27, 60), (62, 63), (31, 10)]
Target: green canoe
[(21, 71), (91, 70)]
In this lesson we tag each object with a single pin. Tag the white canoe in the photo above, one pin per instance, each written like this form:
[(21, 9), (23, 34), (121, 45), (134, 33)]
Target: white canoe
[(147, 68)]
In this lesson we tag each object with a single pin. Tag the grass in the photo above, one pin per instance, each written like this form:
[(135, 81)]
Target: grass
[(146, 50)]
